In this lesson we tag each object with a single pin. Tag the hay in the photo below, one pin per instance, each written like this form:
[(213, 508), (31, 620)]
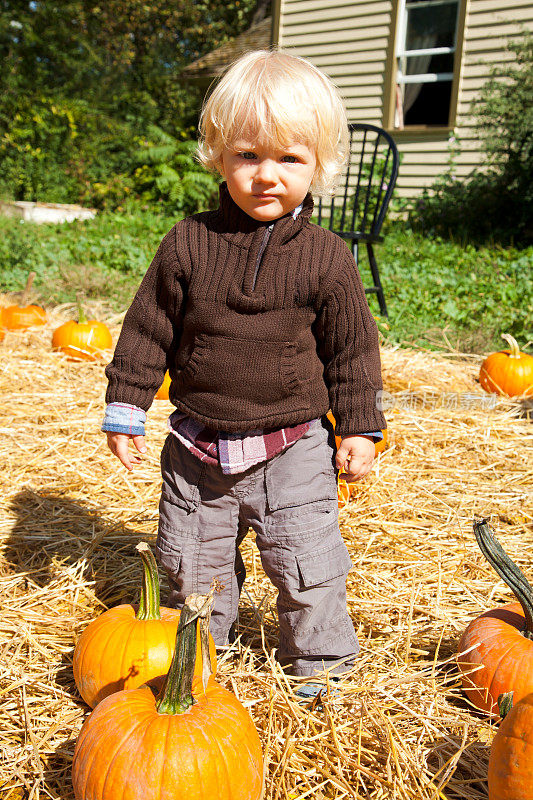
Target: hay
[(399, 728)]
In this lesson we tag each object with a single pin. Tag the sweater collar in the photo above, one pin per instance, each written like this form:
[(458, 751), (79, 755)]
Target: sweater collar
[(235, 221)]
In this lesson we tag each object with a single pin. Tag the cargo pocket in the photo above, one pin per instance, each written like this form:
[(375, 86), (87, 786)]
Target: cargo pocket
[(302, 474), (179, 491), (321, 566), (168, 554)]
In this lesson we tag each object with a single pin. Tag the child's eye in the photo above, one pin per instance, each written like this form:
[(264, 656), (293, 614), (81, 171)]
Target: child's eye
[(247, 155), (290, 159)]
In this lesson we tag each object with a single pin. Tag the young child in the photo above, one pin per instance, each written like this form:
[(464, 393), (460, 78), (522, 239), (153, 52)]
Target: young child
[(262, 321)]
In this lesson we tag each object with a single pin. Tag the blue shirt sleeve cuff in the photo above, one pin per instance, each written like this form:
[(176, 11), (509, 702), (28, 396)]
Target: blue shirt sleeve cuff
[(124, 418), (377, 436)]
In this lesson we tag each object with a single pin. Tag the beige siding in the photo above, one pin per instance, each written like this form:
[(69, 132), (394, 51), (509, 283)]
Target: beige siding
[(349, 41)]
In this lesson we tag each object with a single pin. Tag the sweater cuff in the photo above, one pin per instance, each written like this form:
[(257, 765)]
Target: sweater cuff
[(124, 418)]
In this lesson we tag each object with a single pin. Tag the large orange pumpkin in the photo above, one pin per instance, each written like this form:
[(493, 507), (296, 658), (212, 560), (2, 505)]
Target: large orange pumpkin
[(20, 317), (510, 771), (495, 654), (84, 340), (194, 741), (508, 372), (343, 487), (128, 646)]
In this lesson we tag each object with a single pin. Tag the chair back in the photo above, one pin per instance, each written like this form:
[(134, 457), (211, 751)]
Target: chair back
[(357, 210)]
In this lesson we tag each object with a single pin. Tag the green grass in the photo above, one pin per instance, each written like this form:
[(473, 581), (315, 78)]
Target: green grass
[(441, 292), (437, 292), (103, 258)]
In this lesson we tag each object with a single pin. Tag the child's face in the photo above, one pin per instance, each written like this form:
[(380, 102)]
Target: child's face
[(267, 182)]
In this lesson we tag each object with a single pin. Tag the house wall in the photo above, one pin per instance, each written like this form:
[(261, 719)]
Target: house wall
[(353, 43)]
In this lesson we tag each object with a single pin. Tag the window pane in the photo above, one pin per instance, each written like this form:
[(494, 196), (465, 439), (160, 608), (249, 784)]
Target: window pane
[(427, 103), (418, 65), (430, 25)]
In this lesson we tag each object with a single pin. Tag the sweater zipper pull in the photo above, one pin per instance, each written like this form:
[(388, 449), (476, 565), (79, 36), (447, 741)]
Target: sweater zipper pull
[(262, 249)]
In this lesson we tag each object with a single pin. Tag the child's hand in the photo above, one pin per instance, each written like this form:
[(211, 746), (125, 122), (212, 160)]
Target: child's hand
[(118, 444), (355, 455)]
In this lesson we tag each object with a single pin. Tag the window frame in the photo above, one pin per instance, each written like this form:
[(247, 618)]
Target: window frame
[(397, 34)]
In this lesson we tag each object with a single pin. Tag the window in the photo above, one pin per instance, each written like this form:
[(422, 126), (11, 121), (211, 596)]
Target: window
[(425, 51)]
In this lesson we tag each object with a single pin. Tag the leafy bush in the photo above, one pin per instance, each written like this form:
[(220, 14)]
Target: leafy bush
[(54, 150), (169, 173), (496, 202), (62, 151)]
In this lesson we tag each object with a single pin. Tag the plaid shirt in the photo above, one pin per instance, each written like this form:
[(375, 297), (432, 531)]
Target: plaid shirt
[(234, 452)]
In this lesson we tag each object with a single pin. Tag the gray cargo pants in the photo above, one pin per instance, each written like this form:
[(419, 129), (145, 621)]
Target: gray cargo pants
[(290, 501)]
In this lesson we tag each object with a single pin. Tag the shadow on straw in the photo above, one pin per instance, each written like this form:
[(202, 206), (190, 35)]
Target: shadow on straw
[(459, 767), (56, 541)]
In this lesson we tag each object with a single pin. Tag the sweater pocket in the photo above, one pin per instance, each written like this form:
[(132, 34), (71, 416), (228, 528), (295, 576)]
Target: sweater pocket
[(241, 380)]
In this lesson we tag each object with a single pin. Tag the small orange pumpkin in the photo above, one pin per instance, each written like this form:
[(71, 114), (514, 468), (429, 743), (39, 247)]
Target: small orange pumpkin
[(510, 770), (195, 740), (508, 372), (343, 487), (162, 392), (83, 340), (495, 654), (126, 647), (21, 317)]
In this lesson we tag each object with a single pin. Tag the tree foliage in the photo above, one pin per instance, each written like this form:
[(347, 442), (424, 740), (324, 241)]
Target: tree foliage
[(124, 56), (84, 83)]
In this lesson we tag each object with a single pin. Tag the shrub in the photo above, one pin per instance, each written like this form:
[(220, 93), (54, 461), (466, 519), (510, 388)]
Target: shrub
[(54, 150), (169, 173), (62, 151), (496, 201)]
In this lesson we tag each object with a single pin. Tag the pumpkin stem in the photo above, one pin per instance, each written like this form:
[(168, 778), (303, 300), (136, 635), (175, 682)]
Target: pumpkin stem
[(149, 603), (204, 643), (82, 319), (505, 703), (27, 289), (177, 692), (513, 345), (507, 570)]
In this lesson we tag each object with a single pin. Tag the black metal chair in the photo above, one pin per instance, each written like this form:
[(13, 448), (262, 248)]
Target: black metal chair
[(357, 211)]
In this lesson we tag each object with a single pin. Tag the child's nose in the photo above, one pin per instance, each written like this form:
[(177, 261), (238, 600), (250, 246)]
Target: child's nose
[(266, 171)]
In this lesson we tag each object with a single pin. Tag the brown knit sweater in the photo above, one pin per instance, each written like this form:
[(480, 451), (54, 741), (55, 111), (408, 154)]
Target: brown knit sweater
[(259, 328)]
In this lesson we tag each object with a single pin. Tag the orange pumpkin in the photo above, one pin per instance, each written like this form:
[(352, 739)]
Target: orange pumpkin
[(83, 340), (126, 647), (162, 392), (495, 654), (194, 741), (384, 443), (343, 487), (20, 317), (510, 771), (508, 372)]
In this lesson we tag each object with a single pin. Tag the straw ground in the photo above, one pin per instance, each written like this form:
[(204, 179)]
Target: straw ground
[(399, 727)]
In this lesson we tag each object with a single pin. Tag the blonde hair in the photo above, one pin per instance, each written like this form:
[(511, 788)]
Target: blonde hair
[(281, 98)]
